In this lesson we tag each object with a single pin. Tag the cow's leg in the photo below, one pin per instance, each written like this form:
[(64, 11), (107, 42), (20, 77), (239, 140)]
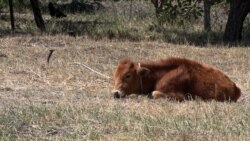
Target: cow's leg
[(171, 95), (158, 94), (173, 84)]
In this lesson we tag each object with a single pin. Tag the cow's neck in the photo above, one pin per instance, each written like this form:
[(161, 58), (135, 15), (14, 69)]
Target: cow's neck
[(147, 83), (156, 72)]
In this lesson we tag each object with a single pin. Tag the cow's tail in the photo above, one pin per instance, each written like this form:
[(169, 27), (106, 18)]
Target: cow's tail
[(237, 93)]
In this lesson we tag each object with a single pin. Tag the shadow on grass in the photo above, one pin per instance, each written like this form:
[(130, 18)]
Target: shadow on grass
[(202, 38), (53, 27), (10, 33), (116, 30), (78, 28), (193, 38), (93, 29)]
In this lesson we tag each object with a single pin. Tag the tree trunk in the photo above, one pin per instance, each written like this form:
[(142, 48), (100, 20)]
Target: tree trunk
[(37, 15), (12, 20), (131, 8), (158, 4), (207, 21), (237, 14)]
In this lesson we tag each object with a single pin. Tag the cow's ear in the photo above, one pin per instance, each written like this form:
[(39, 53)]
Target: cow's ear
[(142, 71)]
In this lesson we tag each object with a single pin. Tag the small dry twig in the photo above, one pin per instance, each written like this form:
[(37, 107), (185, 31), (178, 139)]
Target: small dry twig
[(50, 54), (97, 72)]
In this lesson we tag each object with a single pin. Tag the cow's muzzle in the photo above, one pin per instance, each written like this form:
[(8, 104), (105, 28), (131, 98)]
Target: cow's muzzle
[(118, 94)]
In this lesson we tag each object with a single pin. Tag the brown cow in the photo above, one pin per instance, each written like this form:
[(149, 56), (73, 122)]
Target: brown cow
[(174, 78)]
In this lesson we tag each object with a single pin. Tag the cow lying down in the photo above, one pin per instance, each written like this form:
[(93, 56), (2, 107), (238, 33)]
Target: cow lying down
[(174, 78)]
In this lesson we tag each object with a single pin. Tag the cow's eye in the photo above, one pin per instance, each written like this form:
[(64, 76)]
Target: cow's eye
[(128, 76)]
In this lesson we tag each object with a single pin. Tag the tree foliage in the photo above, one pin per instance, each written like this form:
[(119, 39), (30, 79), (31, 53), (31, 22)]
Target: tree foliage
[(173, 11), (18, 5), (3, 4)]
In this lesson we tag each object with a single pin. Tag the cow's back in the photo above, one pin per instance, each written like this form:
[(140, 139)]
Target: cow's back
[(211, 83)]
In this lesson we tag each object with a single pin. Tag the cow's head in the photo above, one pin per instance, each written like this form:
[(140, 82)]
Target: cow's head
[(127, 77)]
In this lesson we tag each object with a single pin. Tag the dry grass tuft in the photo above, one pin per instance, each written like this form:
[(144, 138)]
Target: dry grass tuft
[(64, 101)]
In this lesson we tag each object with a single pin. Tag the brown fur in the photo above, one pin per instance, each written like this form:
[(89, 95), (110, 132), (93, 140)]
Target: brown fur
[(174, 78)]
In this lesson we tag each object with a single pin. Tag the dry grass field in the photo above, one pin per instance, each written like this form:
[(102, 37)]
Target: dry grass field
[(63, 100)]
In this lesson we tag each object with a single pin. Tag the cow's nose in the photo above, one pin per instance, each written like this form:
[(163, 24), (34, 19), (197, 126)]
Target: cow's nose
[(117, 94)]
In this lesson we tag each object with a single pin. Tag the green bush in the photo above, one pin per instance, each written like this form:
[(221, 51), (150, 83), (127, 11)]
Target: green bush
[(179, 11)]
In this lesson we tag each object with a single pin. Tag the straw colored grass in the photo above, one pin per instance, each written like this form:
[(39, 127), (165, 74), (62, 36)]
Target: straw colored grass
[(65, 101)]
